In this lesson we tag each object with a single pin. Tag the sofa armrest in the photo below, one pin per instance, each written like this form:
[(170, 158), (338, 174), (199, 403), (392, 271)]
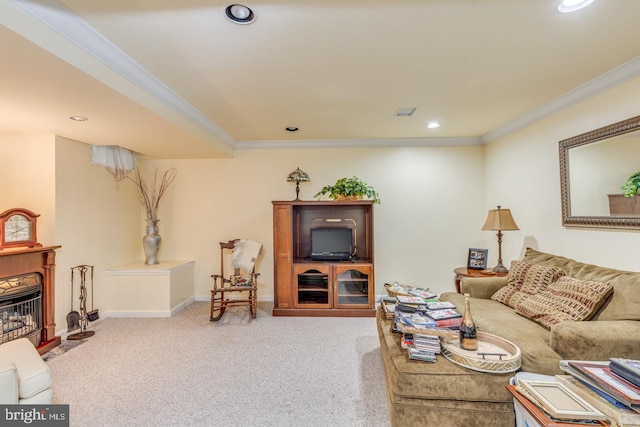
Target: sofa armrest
[(597, 339), (8, 383), (481, 287)]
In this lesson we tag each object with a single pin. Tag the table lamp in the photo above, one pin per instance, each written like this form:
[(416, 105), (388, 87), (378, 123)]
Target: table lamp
[(500, 220), (298, 176)]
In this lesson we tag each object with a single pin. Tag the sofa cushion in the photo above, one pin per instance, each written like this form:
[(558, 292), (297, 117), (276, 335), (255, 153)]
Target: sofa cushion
[(498, 319), (525, 279), (625, 300), (8, 383), (566, 299), (34, 375)]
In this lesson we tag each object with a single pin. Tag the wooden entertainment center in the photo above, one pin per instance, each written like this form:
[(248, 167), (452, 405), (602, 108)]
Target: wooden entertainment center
[(309, 287)]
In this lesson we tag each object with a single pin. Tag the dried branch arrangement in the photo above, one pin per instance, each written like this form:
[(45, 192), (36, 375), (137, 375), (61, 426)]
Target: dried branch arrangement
[(150, 193)]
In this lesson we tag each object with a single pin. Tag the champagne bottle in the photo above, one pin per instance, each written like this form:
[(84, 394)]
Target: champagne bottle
[(468, 333)]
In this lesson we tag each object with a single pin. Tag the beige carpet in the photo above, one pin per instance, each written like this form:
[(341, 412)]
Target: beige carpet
[(187, 371)]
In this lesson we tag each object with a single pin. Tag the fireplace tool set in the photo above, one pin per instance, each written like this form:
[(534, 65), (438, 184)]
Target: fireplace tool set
[(81, 320)]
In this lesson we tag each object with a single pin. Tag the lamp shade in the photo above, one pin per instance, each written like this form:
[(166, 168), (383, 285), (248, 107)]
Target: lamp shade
[(500, 220), (298, 175)]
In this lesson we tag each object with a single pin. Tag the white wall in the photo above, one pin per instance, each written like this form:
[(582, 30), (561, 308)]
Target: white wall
[(28, 166), (600, 169), (97, 223), (522, 173), (431, 210)]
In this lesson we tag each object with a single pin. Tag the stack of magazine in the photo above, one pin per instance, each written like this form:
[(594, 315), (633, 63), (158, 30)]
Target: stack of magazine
[(616, 381), (627, 369), (422, 319), (419, 346), (442, 313), (414, 320), (618, 415), (422, 347)]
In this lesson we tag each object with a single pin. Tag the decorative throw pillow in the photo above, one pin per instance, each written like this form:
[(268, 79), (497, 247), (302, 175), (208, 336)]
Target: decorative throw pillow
[(525, 279), (567, 299)]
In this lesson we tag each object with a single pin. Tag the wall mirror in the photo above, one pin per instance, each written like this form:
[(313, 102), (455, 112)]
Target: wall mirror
[(593, 167)]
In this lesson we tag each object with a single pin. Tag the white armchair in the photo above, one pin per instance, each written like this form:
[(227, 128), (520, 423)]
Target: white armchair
[(24, 376)]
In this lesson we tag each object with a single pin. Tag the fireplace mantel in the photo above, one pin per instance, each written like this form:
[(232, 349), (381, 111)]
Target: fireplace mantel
[(17, 261)]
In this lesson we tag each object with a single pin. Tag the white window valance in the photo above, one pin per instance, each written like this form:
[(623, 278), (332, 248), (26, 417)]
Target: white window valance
[(117, 160)]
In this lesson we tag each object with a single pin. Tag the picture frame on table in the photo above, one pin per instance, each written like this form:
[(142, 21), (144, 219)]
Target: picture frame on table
[(559, 401), (477, 259)]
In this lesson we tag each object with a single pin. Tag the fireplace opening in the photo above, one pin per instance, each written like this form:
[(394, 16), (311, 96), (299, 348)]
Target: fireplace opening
[(21, 308)]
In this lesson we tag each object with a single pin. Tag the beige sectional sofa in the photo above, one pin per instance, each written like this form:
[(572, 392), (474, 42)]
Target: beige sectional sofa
[(449, 395), (24, 377)]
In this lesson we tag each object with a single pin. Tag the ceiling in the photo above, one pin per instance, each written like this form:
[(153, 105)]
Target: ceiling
[(177, 79)]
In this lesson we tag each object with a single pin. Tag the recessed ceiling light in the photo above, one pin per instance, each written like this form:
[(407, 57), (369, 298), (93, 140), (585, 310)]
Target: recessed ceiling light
[(433, 125), (567, 6), (291, 129), (239, 13), (78, 118)]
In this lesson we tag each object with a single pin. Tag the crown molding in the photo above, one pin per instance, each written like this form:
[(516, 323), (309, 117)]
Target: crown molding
[(621, 74), (361, 143), (52, 26)]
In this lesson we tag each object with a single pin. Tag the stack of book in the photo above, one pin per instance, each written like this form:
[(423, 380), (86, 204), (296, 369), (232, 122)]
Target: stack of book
[(411, 302), (422, 320), (414, 296), (425, 294), (617, 415), (417, 337), (627, 369), (442, 313), (613, 387), (423, 347), (414, 320)]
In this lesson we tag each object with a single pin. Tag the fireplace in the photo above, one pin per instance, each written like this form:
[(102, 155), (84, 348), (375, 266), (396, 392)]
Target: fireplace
[(21, 308), (27, 296)]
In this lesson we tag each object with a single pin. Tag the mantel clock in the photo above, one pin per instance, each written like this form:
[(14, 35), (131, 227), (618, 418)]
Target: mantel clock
[(18, 228)]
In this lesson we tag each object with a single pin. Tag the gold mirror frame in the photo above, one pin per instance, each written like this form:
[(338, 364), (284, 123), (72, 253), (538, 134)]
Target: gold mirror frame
[(569, 220)]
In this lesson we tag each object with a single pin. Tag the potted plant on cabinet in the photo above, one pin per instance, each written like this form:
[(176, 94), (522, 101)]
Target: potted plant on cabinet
[(626, 203), (632, 185), (349, 188)]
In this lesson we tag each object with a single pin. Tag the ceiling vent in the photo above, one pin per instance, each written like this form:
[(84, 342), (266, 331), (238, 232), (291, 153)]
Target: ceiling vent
[(405, 111)]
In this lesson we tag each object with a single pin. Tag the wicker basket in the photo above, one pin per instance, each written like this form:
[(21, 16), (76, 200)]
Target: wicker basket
[(388, 314), (501, 355), (393, 293)]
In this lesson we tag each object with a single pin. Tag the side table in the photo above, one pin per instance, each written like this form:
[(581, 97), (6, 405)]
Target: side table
[(462, 272)]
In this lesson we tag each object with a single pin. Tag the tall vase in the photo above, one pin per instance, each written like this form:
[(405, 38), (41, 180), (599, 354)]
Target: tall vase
[(151, 243)]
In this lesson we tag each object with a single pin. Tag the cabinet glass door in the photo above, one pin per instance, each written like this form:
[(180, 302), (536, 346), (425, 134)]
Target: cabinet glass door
[(352, 286), (312, 287)]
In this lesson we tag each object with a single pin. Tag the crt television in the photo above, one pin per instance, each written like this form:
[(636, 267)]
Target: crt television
[(331, 244)]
